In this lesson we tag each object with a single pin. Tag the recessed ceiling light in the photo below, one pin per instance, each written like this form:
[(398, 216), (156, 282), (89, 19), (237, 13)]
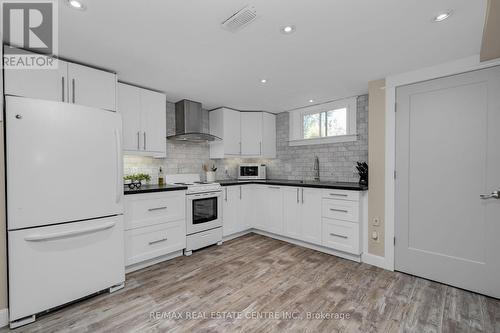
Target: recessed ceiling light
[(76, 4), (289, 29), (311, 101), (442, 16), (263, 81)]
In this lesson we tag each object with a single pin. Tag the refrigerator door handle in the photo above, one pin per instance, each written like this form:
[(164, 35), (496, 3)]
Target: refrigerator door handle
[(66, 234), (118, 166)]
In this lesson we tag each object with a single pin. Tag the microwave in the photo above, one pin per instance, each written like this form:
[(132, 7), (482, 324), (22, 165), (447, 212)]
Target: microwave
[(252, 171)]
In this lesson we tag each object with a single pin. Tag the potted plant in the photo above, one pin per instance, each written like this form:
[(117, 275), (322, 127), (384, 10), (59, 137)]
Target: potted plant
[(135, 180)]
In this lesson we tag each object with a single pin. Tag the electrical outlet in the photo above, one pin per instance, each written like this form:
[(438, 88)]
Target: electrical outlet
[(376, 222), (375, 236)]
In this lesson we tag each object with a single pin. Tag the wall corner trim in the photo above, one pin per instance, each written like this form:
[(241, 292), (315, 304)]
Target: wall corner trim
[(4, 317), (375, 260)]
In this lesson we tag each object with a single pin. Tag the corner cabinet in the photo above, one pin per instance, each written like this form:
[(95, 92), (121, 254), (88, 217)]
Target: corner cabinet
[(243, 134), (69, 83), (144, 114), (326, 218)]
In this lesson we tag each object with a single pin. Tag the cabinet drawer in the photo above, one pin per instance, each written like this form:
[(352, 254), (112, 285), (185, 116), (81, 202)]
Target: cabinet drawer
[(341, 195), (341, 210), (204, 238), (143, 210), (341, 235), (149, 242)]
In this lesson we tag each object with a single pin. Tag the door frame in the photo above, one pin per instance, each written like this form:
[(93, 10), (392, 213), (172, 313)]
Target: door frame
[(459, 66)]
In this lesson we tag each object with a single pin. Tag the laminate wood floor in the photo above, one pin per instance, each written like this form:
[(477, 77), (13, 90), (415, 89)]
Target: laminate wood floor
[(254, 276)]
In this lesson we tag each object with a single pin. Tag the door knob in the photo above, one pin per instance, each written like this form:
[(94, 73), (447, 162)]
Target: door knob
[(493, 195)]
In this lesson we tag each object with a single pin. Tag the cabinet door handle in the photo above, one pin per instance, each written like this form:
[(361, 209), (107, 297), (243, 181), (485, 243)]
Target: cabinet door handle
[(158, 241), (138, 140), (260, 148), (337, 235), (62, 88), (302, 195), (240, 192), (240, 148), (144, 140), (73, 89), (297, 195), (338, 194), (157, 208), (225, 194), (339, 210), (274, 187)]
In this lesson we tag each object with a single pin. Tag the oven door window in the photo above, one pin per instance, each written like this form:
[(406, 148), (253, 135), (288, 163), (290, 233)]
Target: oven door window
[(204, 210)]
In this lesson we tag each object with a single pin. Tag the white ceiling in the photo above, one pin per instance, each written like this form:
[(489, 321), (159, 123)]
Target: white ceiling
[(178, 46)]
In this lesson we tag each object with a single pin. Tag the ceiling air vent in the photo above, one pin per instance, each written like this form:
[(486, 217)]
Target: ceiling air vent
[(240, 19)]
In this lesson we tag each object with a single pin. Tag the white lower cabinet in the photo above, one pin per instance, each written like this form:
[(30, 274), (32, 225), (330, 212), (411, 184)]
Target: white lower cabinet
[(292, 211), (302, 214), (341, 235), (311, 215), (269, 208), (329, 218), (154, 241), (340, 221), (155, 225), (232, 206)]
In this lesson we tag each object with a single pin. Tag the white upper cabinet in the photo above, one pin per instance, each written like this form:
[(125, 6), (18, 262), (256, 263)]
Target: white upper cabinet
[(268, 135), (225, 123), (144, 115), (251, 133), (48, 84), (70, 83), (154, 121), (129, 105), (245, 134), (91, 87)]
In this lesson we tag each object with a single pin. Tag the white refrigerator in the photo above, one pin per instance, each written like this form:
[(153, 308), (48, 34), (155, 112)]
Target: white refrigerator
[(64, 204)]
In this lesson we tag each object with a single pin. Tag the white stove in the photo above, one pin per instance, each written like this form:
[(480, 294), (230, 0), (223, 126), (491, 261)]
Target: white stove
[(200, 187), (192, 181), (203, 211)]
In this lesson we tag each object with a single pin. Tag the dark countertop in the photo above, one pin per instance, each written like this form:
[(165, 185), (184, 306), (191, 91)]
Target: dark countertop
[(153, 188), (298, 183)]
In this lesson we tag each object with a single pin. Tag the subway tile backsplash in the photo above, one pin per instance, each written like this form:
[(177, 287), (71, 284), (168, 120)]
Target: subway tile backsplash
[(336, 160)]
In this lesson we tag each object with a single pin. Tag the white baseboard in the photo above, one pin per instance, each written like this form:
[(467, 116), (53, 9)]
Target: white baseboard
[(4, 317), (144, 264), (375, 260), (236, 235)]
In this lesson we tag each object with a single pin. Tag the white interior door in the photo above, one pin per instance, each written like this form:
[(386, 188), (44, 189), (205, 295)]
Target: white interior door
[(64, 162), (447, 155)]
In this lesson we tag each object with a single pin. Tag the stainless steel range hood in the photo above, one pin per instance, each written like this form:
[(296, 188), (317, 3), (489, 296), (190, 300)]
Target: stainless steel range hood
[(189, 123)]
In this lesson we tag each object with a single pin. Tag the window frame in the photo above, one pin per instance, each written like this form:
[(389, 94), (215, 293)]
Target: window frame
[(296, 132)]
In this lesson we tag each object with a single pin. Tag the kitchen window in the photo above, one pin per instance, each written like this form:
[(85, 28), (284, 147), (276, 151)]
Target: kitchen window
[(326, 123)]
